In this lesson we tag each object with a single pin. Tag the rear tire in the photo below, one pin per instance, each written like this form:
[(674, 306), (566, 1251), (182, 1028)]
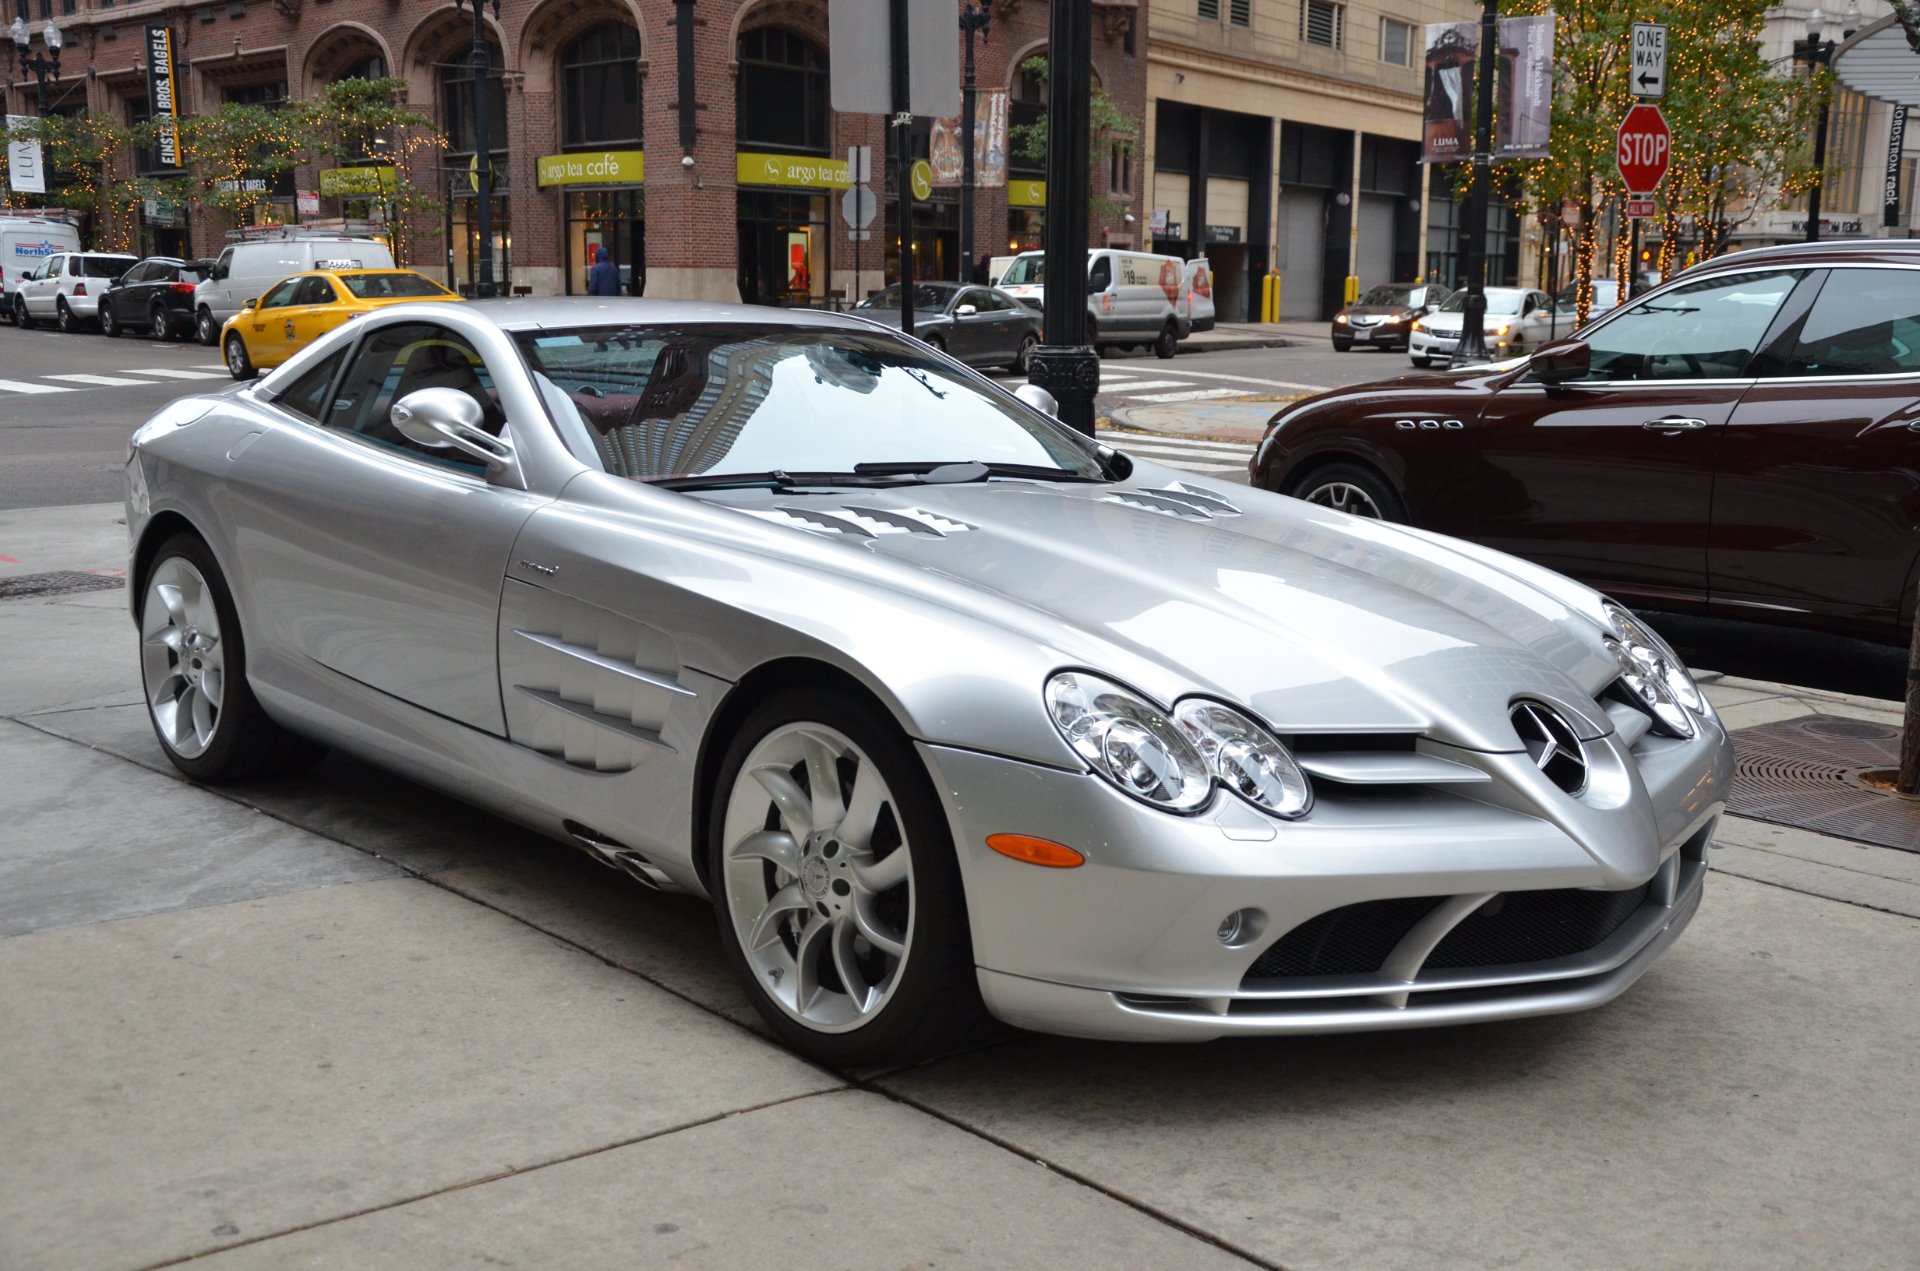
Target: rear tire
[(1167, 343), (160, 318), (193, 668), (239, 365), (63, 317), (1024, 354), (1352, 488), (843, 915)]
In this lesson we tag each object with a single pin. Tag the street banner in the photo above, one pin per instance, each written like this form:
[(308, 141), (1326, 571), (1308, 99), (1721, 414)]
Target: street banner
[(1896, 147), (989, 145), (26, 174), (1452, 51), (1526, 82), (161, 99)]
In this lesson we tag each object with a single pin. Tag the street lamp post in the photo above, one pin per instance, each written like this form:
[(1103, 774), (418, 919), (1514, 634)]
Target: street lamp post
[(42, 66), (1817, 52), (482, 146), (1472, 348), (974, 17), (1064, 365)]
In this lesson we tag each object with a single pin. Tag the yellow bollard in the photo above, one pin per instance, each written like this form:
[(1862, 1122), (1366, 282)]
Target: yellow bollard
[(1353, 288)]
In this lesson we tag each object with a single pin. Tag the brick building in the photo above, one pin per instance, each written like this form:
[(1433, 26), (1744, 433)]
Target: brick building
[(734, 193)]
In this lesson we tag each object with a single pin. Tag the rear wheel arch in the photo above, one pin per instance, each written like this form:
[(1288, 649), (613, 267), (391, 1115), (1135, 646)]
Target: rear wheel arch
[(754, 688)]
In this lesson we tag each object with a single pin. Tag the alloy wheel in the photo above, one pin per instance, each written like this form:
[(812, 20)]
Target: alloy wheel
[(162, 322), (818, 877), (237, 362), (1344, 496), (181, 659)]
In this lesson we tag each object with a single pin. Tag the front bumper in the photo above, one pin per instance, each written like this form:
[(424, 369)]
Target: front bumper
[(1426, 344), (1388, 333), (1128, 945)]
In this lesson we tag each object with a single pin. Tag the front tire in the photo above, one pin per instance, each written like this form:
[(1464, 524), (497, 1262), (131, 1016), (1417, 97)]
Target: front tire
[(1351, 488), (936, 343), (193, 666), (1421, 362), (1341, 346), (109, 324), (205, 329), (836, 886), (239, 365)]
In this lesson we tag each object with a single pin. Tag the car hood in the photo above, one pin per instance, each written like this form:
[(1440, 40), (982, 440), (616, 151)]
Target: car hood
[(1318, 621)]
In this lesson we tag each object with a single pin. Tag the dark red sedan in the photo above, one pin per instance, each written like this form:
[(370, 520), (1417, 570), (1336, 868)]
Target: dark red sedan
[(1744, 440)]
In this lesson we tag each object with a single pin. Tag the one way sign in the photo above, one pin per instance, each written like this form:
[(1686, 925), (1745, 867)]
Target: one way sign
[(1649, 71)]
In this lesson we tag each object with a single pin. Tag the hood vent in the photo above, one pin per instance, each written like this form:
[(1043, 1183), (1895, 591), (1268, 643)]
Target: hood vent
[(1180, 499), (861, 521)]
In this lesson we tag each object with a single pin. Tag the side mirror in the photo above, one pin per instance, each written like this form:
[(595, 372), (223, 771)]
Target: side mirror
[(1561, 361), (965, 311), (448, 419), (1038, 398), (248, 304)]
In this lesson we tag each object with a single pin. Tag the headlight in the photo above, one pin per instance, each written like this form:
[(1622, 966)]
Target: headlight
[(1502, 329), (1245, 758), (1417, 326), (1129, 741), (1654, 673), (1340, 318)]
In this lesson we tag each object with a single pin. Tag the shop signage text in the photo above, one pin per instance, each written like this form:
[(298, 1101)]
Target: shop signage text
[(161, 98), (814, 172), (336, 182), (608, 167)]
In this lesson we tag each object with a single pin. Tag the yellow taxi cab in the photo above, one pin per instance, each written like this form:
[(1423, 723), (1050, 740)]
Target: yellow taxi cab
[(300, 309)]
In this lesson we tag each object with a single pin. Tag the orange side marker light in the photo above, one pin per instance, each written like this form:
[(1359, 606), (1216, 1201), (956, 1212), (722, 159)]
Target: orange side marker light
[(1035, 851)]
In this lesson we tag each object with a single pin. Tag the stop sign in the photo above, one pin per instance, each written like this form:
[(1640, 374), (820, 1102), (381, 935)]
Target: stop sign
[(1644, 149)]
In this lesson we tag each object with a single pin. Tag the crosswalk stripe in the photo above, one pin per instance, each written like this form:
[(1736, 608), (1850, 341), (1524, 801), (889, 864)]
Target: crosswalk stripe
[(209, 366), (169, 374), (24, 386), (103, 381), (1136, 447), (1194, 465), (1135, 386), (1133, 438), (1248, 379), (1191, 395)]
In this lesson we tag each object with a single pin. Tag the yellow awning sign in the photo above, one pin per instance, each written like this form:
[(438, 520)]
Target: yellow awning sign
[(810, 171), (605, 167), (348, 182), (1026, 193)]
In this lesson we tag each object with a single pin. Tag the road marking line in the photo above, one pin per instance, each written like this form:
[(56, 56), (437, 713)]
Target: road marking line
[(209, 366), (1134, 386), (26, 386), (165, 373), (1248, 379), (103, 381), (1191, 395)]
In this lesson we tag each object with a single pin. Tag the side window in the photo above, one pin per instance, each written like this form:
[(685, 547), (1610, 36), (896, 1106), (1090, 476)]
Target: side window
[(56, 266), (1865, 322), (137, 274), (306, 395), (313, 291), (281, 295), (990, 302), (1100, 277), (976, 298), (1703, 330), (224, 265), (398, 360)]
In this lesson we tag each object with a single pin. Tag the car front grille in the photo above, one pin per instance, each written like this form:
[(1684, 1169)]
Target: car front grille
[(1513, 928)]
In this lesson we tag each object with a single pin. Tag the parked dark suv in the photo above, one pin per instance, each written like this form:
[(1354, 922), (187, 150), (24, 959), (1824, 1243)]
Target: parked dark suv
[(1744, 440), (155, 295)]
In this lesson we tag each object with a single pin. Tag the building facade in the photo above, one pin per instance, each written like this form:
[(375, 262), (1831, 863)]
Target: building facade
[(692, 140), (1285, 136)]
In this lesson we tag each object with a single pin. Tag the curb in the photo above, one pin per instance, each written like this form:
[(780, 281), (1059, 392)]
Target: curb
[(1237, 344), (1122, 417)]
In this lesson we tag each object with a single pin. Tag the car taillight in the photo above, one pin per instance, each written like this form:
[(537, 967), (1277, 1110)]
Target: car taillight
[(186, 287), (80, 289)]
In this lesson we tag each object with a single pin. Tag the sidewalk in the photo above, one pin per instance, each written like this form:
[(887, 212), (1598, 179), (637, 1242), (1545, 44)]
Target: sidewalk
[(1228, 336), (341, 1020)]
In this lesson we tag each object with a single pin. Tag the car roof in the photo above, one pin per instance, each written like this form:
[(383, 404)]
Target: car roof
[(533, 313), (1901, 251)]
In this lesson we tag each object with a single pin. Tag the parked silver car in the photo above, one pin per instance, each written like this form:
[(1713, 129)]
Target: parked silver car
[(949, 710), (983, 326)]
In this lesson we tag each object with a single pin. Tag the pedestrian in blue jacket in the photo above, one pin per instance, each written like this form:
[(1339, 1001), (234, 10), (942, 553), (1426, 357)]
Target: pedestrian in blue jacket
[(603, 279)]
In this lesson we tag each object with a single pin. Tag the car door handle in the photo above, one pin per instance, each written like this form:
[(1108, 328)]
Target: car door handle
[(1674, 424)]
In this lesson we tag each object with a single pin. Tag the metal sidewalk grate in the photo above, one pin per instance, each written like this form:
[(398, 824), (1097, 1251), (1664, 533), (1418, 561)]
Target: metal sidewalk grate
[(1804, 772), (61, 582)]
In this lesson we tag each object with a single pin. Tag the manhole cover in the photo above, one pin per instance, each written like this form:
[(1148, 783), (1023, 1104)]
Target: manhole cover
[(61, 582), (1804, 772)]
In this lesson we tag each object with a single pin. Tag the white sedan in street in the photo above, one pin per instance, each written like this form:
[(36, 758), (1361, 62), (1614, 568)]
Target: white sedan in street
[(1517, 318)]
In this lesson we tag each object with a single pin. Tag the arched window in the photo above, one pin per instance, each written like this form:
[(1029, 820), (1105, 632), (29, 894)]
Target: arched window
[(781, 97), (456, 102), (1026, 106), (600, 88), (372, 66)]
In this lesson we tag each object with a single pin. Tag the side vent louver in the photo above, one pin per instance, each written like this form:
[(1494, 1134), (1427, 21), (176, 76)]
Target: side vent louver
[(862, 521), (1180, 499)]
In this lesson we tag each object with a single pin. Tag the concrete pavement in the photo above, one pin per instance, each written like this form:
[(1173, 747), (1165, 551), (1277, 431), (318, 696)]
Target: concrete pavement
[(342, 1021)]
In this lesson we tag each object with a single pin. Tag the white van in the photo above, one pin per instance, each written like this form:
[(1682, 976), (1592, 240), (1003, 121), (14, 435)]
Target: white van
[(1196, 295), (27, 242), (1133, 298), (246, 269)]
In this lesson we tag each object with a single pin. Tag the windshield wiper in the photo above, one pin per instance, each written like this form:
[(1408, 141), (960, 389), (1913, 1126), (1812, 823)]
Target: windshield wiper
[(959, 472), (778, 479)]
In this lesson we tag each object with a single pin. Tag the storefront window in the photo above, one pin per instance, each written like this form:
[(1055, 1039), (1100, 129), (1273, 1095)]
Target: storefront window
[(781, 92), (783, 258), (614, 220), (600, 79), (463, 233), (1023, 229)]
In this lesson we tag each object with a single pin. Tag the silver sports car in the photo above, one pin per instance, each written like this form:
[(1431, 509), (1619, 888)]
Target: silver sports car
[(951, 712)]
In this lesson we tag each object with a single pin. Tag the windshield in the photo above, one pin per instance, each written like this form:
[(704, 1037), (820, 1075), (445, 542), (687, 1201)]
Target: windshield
[(1025, 271), (1501, 301), (928, 297), (1388, 296), (392, 286), (106, 266), (660, 403)]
